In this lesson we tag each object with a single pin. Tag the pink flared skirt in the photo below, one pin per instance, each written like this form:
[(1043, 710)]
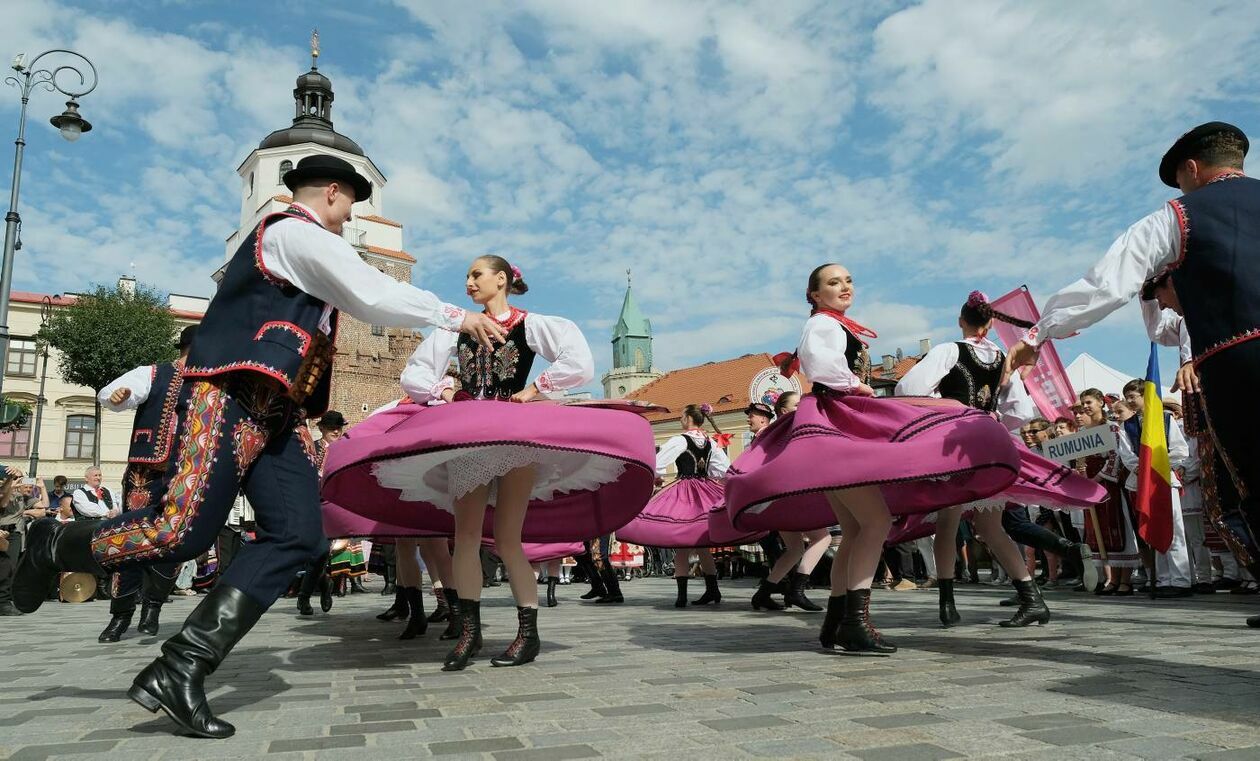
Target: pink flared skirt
[(688, 513), (406, 467), (923, 454)]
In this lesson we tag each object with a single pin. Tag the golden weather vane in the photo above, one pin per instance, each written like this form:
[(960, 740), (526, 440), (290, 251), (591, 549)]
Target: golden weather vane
[(314, 47)]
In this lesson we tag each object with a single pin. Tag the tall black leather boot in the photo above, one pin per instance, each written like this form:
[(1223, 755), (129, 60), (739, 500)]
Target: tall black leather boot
[(593, 576), (356, 586), (857, 635), (157, 588), (469, 642), (949, 613), (711, 592), (120, 612), (391, 586), (399, 609), (417, 624), (51, 548), (174, 682), (795, 594), (453, 626), (526, 645), (150, 615), (761, 599), (1254, 622), (441, 611), (310, 582), (612, 588), (1032, 608), (552, 581), (681, 602), (829, 634)]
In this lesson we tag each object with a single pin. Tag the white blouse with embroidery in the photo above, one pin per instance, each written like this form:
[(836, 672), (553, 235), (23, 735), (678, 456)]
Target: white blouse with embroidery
[(1014, 406), (821, 352), (676, 445)]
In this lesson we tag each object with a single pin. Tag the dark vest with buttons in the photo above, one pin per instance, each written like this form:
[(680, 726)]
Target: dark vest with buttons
[(108, 501), (500, 373), (972, 382), (153, 433), (260, 324), (694, 462), (1217, 275)]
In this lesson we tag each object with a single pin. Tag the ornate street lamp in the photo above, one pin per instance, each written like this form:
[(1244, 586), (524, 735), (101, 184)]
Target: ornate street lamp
[(71, 124), (45, 315)]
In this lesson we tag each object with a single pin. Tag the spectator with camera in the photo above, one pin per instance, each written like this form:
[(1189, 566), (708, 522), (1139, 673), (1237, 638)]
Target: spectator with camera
[(23, 500)]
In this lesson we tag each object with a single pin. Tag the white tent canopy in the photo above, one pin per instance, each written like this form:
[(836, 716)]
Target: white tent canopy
[(1087, 372)]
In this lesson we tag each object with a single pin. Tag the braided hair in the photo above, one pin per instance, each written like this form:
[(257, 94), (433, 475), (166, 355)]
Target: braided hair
[(701, 414), (978, 312)]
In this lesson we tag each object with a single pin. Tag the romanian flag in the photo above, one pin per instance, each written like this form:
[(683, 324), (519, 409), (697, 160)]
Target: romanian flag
[(1154, 474)]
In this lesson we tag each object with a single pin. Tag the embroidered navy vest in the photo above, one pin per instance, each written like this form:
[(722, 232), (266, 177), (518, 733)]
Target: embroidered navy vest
[(153, 433), (497, 374), (1217, 276), (1133, 429), (972, 382), (108, 500), (694, 462), (258, 323)]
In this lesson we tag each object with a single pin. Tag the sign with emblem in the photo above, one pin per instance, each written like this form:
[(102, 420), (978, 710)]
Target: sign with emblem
[(768, 384), (1100, 439)]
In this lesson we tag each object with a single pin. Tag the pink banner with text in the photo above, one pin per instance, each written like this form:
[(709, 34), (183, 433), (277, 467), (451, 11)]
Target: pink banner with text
[(1047, 381)]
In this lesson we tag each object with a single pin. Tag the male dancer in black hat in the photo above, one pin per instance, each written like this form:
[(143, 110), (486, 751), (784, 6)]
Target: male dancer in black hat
[(1200, 256), (260, 365), (154, 392)]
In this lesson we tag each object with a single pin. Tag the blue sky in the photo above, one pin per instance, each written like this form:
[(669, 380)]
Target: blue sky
[(721, 150)]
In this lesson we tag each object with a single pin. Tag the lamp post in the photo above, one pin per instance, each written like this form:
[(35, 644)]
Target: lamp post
[(45, 314), (72, 126)]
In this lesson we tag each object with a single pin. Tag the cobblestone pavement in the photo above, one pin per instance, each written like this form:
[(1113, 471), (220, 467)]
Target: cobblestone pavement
[(1108, 679)]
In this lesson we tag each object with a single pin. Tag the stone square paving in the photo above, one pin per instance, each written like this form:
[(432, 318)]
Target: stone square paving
[(1108, 679)]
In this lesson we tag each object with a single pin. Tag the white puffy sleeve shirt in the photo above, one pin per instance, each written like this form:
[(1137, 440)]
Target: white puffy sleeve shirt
[(719, 461), (1144, 250), (324, 265), (555, 339), (1167, 328), (139, 380), (821, 352), (1014, 407)]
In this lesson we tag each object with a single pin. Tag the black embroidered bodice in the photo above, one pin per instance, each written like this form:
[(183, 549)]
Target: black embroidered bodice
[(971, 381), (694, 462), (500, 373), (856, 355)]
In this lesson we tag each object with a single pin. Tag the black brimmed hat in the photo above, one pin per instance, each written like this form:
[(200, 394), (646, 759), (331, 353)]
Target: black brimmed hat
[(757, 408), (1188, 143), (332, 419), (186, 337), (321, 166)]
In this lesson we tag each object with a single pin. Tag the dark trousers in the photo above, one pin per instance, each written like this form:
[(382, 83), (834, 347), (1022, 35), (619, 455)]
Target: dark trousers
[(900, 560), (141, 490), (228, 547), (1029, 534), (236, 433), (1229, 381), (8, 564), (315, 570)]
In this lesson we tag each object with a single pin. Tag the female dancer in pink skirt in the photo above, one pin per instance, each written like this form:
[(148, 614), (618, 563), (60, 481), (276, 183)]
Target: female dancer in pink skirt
[(689, 514), (845, 457), (803, 550), (473, 467), (970, 372)]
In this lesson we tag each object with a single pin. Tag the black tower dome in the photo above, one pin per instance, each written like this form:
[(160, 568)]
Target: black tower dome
[(312, 119)]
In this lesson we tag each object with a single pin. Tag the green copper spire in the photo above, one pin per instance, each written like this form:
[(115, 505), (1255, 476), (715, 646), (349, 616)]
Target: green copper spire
[(632, 336)]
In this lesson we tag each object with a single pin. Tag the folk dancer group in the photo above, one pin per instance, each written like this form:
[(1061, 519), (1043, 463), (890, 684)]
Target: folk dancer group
[(478, 457)]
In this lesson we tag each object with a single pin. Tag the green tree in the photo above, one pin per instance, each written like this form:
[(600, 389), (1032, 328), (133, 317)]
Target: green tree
[(107, 332)]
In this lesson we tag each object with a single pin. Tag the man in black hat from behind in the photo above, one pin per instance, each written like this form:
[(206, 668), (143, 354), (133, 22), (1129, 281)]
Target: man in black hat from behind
[(261, 365), (1199, 255)]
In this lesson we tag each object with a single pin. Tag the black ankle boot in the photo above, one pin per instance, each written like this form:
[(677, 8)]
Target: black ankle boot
[(441, 612), (174, 682), (417, 624), (612, 588), (325, 593), (1010, 602), (711, 592), (399, 609), (829, 635), (552, 581), (469, 642), (681, 602), (304, 606), (761, 599), (593, 576), (150, 612), (52, 547), (453, 627), (1254, 622), (341, 586), (526, 645), (120, 611), (856, 633), (1032, 608), (949, 613), (356, 586), (795, 596)]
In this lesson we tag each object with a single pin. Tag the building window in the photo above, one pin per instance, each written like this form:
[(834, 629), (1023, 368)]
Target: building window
[(22, 352), (16, 443), (80, 437), (285, 166), (249, 191), (378, 330)]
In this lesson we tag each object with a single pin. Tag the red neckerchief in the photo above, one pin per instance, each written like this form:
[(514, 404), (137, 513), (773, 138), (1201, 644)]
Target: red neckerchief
[(514, 316), (790, 364)]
